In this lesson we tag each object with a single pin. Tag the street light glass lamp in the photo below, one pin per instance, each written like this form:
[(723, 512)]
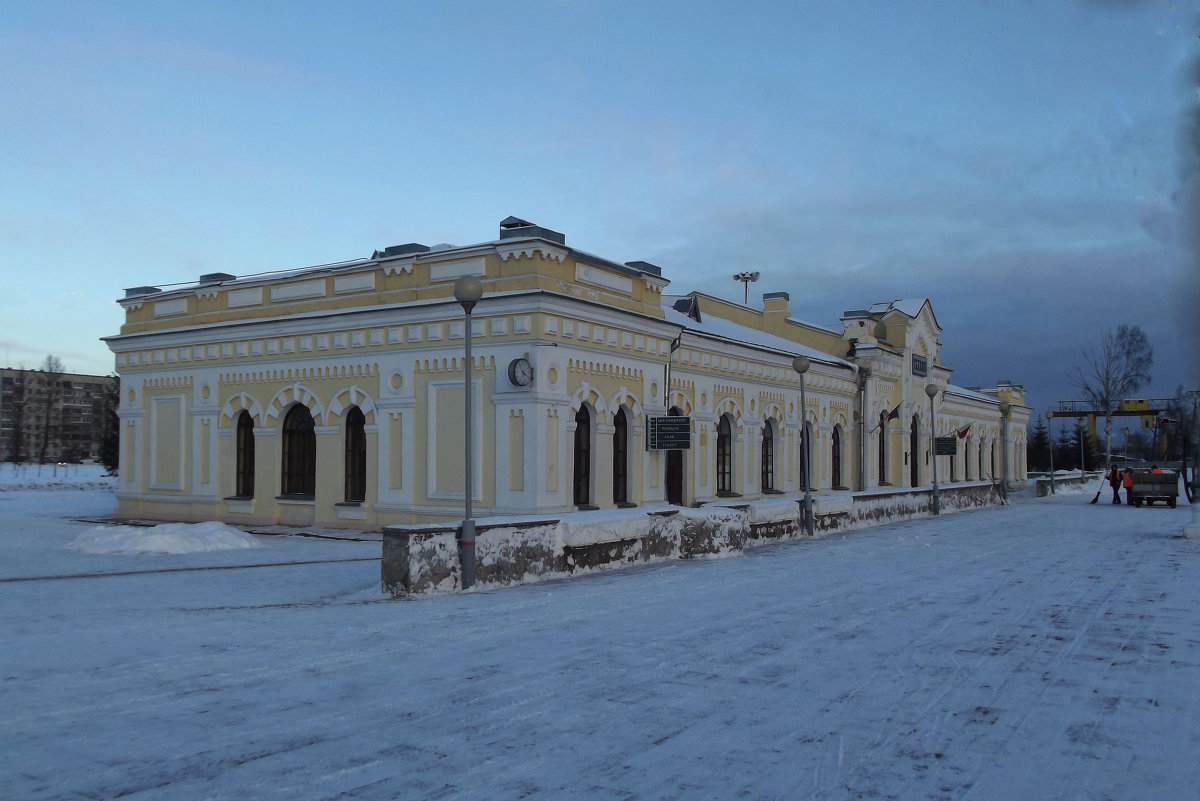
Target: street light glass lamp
[(467, 291)]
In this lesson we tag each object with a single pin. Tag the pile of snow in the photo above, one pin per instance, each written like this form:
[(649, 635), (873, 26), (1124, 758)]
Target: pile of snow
[(25, 476), (168, 538)]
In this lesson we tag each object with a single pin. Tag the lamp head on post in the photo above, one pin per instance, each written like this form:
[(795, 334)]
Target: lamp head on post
[(801, 364), (467, 291)]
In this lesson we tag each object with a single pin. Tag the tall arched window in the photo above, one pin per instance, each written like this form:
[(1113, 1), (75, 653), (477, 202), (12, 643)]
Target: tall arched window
[(805, 455), (244, 481), (675, 468), (835, 458), (620, 467), (768, 456), (914, 453), (356, 456), (299, 473), (582, 493), (724, 455), (883, 424)]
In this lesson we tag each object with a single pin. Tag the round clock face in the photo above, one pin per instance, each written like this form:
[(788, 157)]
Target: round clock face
[(520, 372)]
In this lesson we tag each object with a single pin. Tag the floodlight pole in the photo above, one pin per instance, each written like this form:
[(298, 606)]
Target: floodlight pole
[(467, 291)]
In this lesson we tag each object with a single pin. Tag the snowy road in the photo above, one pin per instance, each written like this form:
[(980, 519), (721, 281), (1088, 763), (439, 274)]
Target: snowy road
[(1046, 650)]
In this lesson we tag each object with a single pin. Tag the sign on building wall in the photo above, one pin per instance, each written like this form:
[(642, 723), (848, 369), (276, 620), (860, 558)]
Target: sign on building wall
[(920, 365), (946, 446), (669, 434)]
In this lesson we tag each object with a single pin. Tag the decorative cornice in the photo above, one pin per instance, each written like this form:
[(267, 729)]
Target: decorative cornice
[(527, 249)]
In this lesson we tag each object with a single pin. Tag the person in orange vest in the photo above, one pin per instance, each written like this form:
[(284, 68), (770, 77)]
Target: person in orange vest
[(1114, 481), (1127, 483), (1154, 469)]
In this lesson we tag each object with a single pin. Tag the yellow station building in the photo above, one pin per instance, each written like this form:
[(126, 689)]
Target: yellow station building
[(334, 395)]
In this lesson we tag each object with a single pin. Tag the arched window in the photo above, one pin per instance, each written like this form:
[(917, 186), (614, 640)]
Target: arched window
[(954, 461), (675, 468), (356, 456), (835, 458), (724, 455), (993, 461), (883, 424), (620, 470), (299, 474), (914, 452), (805, 455), (244, 472), (768, 456), (582, 493)]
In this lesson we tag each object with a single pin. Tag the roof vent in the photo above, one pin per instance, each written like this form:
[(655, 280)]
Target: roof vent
[(215, 278), (516, 228), (396, 251), (133, 292)]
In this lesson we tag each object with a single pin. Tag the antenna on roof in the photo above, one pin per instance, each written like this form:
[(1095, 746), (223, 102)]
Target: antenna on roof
[(746, 278)]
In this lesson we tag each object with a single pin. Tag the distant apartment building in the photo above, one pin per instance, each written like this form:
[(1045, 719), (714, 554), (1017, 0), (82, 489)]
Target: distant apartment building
[(62, 412)]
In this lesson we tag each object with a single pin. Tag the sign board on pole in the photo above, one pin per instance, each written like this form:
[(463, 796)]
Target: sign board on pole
[(669, 434), (946, 446)]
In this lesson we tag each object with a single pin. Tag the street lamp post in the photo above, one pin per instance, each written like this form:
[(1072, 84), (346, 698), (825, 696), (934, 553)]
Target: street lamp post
[(1079, 425), (931, 390), (467, 291), (1050, 425), (801, 364), (1005, 407)]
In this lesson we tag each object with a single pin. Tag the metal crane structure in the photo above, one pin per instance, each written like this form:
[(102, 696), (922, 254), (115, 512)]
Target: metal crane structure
[(1152, 411)]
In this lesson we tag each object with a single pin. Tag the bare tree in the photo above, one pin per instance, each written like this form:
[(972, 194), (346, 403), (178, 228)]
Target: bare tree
[(110, 425), (51, 393), (1114, 371)]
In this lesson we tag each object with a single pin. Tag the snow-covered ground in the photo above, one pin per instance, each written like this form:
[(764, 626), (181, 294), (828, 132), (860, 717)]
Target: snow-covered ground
[(1045, 650)]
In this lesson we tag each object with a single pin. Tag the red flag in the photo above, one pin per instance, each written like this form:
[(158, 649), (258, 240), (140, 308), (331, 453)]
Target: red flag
[(963, 432)]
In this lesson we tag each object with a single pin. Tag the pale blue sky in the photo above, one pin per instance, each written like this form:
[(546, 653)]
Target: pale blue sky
[(992, 156)]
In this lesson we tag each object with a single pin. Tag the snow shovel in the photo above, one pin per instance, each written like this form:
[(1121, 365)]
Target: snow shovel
[(1096, 497)]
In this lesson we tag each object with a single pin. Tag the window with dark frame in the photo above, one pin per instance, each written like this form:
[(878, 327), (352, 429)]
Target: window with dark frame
[(620, 469), (244, 471), (724, 455), (835, 457), (583, 457), (768, 456), (299, 462), (883, 423), (356, 456)]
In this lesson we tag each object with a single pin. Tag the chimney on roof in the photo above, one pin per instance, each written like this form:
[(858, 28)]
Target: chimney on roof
[(395, 251), (133, 292), (775, 311), (645, 267), (516, 228), (215, 278)]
